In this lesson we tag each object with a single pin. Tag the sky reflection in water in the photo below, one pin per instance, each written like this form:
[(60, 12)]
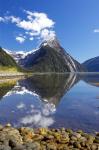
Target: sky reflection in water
[(53, 100)]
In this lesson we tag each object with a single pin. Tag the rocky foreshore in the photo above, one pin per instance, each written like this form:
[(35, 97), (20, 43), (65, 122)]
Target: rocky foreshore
[(25, 138)]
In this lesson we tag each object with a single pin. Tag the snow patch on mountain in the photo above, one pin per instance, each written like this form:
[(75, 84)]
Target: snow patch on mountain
[(17, 55), (52, 42)]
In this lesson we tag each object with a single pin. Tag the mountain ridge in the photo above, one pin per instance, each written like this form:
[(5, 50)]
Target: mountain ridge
[(51, 51), (49, 57), (92, 64)]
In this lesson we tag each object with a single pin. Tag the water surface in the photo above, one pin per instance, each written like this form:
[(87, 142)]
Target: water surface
[(51, 100)]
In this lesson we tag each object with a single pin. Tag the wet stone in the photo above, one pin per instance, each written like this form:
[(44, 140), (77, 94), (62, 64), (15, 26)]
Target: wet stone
[(4, 147), (80, 131), (46, 139), (96, 139), (33, 146), (77, 145), (77, 135), (19, 147), (43, 147), (93, 147), (1, 127), (51, 146), (8, 125), (73, 138), (97, 134), (38, 137), (12, 143), (69, 131), (49, 137), (63, 147)]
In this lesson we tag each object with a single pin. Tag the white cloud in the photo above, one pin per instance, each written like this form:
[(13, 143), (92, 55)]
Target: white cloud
[(41, 20), (2, 19), (46, 34), (20, 39), (48, 109), (40, 116), (38, 120), (21, 106), (32, 33), (96, 30), (31, 38), (11, 19), (46, 122), (35, 25)]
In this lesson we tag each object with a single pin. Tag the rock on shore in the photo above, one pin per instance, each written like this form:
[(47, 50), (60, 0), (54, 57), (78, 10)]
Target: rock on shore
[(25, 138)]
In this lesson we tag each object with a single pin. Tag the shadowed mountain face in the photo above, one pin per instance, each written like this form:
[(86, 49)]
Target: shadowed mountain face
[(50, 57), (92, 65)]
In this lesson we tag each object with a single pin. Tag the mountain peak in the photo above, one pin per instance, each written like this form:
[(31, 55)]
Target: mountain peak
[(51, 42)]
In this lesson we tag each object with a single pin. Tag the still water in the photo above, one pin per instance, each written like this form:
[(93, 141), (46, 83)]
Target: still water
[(51, 100)]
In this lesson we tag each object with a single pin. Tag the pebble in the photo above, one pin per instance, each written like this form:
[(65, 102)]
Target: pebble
[(8, 125), (26, 138)]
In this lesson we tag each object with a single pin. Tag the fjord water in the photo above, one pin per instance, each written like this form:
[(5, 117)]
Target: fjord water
[(51, 100)]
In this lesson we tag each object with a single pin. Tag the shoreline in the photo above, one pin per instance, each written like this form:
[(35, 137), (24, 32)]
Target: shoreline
[(10, 75), (25, 138), (14, 75), (19, 74)]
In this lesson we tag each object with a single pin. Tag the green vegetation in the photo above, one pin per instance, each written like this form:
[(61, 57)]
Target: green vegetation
[(7, 83), (8, 69), (6, 86), (7, 63)]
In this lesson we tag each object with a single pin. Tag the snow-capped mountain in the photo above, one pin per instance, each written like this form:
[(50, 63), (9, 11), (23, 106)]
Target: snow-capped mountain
[(49, 57), (52, 42), (20, 54)]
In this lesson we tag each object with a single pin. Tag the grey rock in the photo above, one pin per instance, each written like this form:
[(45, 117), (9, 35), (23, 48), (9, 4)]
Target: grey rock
[(4, 147), (32, 146)]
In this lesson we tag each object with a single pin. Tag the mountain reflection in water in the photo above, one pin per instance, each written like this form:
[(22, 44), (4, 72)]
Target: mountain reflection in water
[(48, 101), (49, 87)]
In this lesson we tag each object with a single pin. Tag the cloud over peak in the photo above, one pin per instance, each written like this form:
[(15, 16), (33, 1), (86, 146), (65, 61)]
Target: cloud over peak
[(36, 25)]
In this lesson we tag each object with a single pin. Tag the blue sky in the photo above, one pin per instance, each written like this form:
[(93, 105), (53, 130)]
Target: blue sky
[(24, 23)]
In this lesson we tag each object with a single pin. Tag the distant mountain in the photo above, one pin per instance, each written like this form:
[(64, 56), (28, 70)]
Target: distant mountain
[(17, 56), (92, 65), (49, 57), (6, 60)]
